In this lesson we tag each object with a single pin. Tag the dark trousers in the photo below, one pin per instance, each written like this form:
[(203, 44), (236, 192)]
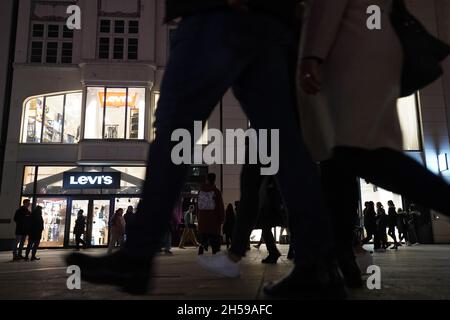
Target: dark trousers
[(79, 241), (33, 245), (209, 239), (370, 235), (248, 211), (228, 239), (391, 233), (18, 244), (270, 241), (403, 234), (383, 237), (210, 53), (386, 168)]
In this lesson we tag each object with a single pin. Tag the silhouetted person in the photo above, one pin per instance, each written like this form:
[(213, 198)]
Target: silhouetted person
[(382, 222), (35, 233), (79, 230), (129, 219), (402, 225), (217, 46), (22, 218), (392, 223), (117, 230), (228, 225), (188, 231), (412, 218), (270, 217), (370, 223), (350, 121), (211, 215)]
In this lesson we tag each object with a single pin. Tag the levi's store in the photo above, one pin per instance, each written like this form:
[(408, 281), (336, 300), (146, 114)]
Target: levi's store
[(99, 191), (62, 191)]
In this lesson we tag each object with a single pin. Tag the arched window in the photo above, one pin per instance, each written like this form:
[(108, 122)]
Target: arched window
[(53, 118)]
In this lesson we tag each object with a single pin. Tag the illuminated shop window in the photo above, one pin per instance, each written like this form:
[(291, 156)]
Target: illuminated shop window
[(52, 119), (408, 112), (54, 215), (115, 113)]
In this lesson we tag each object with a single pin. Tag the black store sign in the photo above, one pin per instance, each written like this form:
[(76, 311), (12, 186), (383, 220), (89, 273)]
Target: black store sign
[(91, 180)]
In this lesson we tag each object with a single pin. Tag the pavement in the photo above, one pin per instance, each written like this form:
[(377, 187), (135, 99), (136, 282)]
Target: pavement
[(419, 272)]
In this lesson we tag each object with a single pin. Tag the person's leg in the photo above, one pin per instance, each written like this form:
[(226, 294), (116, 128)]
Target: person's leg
[(112, 242), (342, 195), (77, 241), (247, 213), (83, 243), (215, 243), (201, 248), (28, 249), (35, 248), (167, 241), (340, 187), (23, 238), (396, 172), (368, 237), (271, 246), (183, 238), (204, 62), (16, 245), (270, 242), (393, 236), (193, 238), (295, 164)]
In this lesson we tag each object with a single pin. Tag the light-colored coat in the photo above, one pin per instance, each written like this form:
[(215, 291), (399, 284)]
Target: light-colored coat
[(361, 78)]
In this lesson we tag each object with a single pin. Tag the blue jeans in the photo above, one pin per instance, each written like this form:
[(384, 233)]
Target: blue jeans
[(210, 53)]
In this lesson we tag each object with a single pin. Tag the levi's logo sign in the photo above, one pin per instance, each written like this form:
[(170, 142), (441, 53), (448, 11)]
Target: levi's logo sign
[(105, 180)]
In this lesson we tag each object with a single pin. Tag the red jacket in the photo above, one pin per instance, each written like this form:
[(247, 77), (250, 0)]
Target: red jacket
[(210, 221)]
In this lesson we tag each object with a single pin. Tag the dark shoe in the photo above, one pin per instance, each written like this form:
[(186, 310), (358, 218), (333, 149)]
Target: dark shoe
[(168, 252), (130, 273), (20, 257), (35, 258), (351, 273), (271, 259), (25, 259), (309, 283), (16, 258), (200, 250)]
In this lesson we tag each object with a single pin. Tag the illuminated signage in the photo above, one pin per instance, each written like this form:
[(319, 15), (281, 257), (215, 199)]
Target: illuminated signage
[(118, 99), (91, 180)]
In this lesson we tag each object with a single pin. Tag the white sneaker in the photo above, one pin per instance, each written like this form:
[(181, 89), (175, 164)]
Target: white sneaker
[(220, 264)]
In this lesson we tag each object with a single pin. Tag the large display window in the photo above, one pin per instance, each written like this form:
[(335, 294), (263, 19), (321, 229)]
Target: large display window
[(54, 215), (49, 187), (408, 112), (115, 113), (52, 119)]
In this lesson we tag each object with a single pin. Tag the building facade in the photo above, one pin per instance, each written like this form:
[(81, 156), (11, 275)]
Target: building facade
[(82, 111)]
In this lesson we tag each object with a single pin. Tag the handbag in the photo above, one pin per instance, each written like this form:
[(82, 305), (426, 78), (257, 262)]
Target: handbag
[(423, 53)]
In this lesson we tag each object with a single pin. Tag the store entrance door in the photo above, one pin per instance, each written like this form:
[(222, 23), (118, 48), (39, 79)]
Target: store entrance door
[(97, 213)]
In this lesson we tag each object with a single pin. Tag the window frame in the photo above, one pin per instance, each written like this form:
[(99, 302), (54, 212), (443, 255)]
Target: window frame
[(112, 36), (44, 99), (45, 40), (105, 92)]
